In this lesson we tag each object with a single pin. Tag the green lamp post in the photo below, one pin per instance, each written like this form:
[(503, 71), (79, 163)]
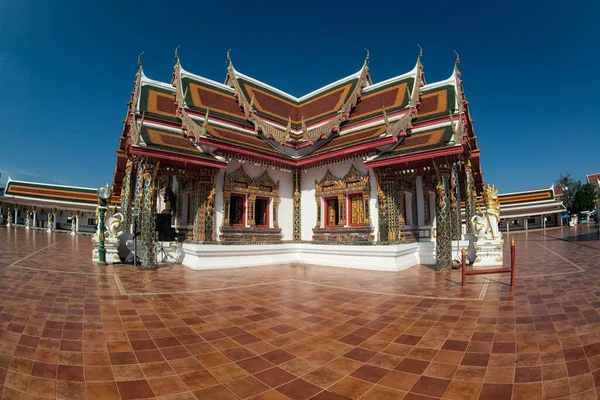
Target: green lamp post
[(104, 193)]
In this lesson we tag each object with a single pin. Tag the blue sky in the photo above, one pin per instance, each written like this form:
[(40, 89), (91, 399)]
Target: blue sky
[(530, 69)]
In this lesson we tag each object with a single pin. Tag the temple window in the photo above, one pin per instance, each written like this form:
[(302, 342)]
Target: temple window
[(332, 211), (237, 210), (261, 213), (356, 209)]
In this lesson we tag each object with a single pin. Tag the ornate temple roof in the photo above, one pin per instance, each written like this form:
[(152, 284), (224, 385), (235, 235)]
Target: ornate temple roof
[(48, 193), (352, 116)]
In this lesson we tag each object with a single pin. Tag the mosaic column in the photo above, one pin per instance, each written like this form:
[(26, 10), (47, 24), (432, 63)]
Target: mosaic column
[(318, 200), (470, 204), (367, 203), (390, 209), (147, 215), (9, 217), (443, 237), (297, 207), (126, 196), (196, 215), (455, 204), (138, 197), (275, 210)]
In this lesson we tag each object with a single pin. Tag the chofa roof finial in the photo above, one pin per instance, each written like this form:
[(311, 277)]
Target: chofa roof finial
[(177, 53), (457, 62), (139, 61), (420, 52), (367, 57)]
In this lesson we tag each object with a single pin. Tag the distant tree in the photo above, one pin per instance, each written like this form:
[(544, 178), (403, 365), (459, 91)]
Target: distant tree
[(585, 199), (570, 187)]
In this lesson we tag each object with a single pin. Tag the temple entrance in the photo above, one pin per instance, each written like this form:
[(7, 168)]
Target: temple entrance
[(262, 212), (332, 217), (236, 210)]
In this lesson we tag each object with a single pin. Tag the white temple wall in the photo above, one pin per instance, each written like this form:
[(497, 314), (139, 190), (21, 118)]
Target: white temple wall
[(285, 210), (308, 201)]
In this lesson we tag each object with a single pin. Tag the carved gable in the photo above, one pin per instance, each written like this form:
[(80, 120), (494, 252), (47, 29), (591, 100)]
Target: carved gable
[(353, 181)]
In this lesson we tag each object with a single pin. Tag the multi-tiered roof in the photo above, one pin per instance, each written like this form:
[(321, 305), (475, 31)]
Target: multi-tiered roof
[(200, 122)]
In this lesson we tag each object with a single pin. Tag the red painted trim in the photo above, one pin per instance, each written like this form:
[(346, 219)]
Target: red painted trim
[(268, 216), (415, 157), (180, 158)]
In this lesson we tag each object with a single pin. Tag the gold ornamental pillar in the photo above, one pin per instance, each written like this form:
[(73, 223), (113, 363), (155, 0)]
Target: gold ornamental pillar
[(342, 209)]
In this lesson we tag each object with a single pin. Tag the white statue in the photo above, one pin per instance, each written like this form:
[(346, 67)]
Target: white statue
[(114, 225), (485, 225)]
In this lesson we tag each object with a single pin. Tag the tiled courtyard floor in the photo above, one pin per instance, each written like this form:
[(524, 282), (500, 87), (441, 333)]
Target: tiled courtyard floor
[(72, 330)]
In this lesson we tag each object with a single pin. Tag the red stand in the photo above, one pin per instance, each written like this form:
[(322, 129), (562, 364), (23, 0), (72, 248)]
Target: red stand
[(512, 268)]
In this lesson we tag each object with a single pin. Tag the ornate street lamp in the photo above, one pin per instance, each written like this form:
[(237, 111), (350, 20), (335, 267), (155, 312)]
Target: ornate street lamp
[(104, 193)]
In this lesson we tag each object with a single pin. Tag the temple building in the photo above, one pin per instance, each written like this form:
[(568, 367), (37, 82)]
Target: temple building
[(49, 207), (355, 173), (532, 209)]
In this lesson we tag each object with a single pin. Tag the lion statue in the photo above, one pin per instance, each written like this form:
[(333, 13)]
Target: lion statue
[(485, 225), (114, 225)]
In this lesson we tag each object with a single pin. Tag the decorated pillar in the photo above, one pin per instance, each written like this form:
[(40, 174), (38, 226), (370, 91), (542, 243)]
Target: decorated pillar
[(390, 209), (470, 204), (275, 210), (367, 208), (226, 207), (35, 217), (251, 202), (9, 217), (138, 196), (210, 233), (197, 217), (148, 213), (179, 208), (297, 207), (318, 200), (16, 222), (126, 196), (455, 219), (342, 209), (443, 235)]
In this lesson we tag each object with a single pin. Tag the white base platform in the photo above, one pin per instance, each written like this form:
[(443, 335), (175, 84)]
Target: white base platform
[(488, 252), (371, 257), (112, 250)]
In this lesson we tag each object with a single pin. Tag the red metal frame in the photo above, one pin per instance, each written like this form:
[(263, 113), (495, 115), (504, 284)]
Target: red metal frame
[(268, 216), (326, 222), (243, 197), (511, 269)]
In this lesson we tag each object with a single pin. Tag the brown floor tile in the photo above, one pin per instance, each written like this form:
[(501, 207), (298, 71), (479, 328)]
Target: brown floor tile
[(370, 373), (98, 373), (102, 391), (496, 391), (42, 387), (323, 377), (246, 387), (382, 393), (359, 354), (135, 389), (299, 389), (219, 392), (131, 372), (69, 390), (167, 386), (399, 380), (429, 386), (527, 391), (412, 366), (460, 390), (350, 387), (556, 389), (275, 376)]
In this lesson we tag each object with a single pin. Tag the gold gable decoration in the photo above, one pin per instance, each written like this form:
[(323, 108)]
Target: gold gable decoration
[(353, 182), (240, 182)]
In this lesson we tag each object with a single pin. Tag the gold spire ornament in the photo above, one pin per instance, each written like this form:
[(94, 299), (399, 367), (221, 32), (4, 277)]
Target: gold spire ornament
[(367, 58), (420, 52), (177, 53)]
